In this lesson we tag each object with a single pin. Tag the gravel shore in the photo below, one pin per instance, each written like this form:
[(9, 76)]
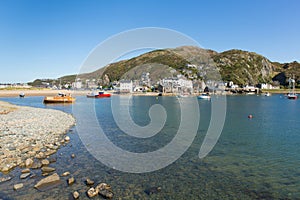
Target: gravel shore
[(27, 133)]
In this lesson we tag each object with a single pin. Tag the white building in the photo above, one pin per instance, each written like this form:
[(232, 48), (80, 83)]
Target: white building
[(126, 86)]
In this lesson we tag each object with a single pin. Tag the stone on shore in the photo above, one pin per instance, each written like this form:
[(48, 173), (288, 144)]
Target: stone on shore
[(45, 162), (28, 162), (48, 182), (28, 133)]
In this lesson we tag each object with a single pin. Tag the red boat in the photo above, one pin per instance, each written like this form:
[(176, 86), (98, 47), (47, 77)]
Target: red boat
[(99, 95)]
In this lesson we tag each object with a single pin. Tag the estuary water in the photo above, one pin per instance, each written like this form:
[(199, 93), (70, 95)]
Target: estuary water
[(256, 158)]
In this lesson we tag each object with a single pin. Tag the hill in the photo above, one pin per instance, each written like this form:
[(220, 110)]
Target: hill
[(241, 67)]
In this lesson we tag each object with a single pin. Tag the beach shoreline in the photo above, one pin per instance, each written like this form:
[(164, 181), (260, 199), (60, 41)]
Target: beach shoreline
[(28, 133)]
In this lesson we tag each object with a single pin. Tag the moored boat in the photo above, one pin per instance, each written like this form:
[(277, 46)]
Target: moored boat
[(267, 94), (60, 98), (204, 96), (292, 94), (22, 94), (99, 95)]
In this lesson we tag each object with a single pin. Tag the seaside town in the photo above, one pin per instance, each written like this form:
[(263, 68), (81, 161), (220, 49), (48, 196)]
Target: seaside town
[(169, 85)]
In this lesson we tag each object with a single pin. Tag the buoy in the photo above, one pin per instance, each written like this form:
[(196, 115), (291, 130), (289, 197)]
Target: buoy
[(250, 116)]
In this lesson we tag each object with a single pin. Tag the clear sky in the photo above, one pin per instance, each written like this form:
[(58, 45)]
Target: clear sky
[(51, 38)]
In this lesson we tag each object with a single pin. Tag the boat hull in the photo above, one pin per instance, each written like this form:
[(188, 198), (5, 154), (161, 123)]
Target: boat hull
[(59, 99)]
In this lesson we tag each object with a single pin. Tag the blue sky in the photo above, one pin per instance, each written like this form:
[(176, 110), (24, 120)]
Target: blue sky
[(51, 38)]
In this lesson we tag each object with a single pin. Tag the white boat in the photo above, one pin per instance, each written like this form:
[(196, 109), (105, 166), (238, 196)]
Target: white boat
[(267, 94), (292, 94), (204, 96)]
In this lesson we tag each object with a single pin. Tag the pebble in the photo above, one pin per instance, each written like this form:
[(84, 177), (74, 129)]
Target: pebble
[(28, 162), (67, 138), (4, 179), (92, 192), (48, 169), (26, 132), (45, 162), (89, 181), (27, 170), (25, 175), (66, 174), (71, 180), (18, 186), (76, 195)]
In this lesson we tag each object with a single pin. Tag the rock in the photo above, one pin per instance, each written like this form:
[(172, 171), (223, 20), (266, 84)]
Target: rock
[(105, 190), (71, 180), (52, 159), (18, 186), (47, 182), (48, 169), (67, 138), (40, 155), (4, 179), (89, 181), (73, 155), (153, 190), (76, 195), (27, 170), (66, 174), (106, 194), (25, 175), (28, 162), (36, 164), (5, 169), (92, 192), (50, 152), (45, 162), (45, 174)]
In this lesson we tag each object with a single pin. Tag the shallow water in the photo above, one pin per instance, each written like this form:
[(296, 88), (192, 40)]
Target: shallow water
[(254, 158)]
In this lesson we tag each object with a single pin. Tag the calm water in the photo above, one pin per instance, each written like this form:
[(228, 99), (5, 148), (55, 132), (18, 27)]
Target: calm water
[(254, 158)]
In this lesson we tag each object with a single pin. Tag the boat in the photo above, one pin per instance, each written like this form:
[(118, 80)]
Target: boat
[(267, 94), (22, 95), (98, 95), (60, 98), (204, 96), (292, 94)]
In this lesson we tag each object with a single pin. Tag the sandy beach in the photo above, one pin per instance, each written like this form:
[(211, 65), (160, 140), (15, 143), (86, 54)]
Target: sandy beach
[(42, 92)]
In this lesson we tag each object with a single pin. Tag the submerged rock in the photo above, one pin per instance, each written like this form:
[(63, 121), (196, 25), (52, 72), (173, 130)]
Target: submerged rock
[(92, 192), (25, 175), (66, 174), (76, 195), (18, 186), (153, 190), (48, 182), (27, 170), (4, 179), (105, 190), (48, 169), (89, 181), (71, 180)]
